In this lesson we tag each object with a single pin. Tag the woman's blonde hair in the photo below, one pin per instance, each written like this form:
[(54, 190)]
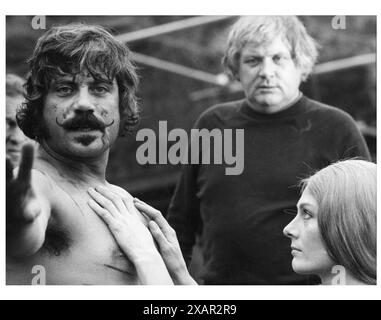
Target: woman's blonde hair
[(346, 195)]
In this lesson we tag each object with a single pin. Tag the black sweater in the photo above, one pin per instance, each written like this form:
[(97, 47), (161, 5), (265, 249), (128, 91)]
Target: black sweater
[(242, 216)]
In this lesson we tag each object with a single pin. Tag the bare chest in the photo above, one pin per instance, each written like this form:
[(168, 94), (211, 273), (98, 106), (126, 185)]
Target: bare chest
[(78, 247)]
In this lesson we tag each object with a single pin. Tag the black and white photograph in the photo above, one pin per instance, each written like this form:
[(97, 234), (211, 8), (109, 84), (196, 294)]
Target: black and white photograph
[(190, 150)]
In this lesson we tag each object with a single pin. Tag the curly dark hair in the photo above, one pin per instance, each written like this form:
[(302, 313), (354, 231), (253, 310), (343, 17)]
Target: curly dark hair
[(71, 49)]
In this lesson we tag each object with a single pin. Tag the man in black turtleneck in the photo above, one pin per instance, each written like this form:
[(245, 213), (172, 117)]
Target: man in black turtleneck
[(286, 137)]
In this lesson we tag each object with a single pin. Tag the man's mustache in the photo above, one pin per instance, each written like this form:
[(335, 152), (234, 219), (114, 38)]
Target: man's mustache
[(85, 120)]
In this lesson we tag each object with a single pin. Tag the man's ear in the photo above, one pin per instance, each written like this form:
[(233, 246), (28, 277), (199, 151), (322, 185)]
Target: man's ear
[(303, 77)]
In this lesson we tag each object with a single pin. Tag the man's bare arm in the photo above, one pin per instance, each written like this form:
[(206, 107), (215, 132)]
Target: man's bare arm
[(27, 206)]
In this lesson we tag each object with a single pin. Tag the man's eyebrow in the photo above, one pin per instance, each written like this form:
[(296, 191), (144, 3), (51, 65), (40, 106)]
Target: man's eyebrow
[(252, 56), (280, 53), (63, 80), (73, 82), (102, 81), (259, 55)]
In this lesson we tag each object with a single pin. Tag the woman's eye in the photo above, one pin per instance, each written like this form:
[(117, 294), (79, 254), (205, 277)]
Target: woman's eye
[(306, 214)]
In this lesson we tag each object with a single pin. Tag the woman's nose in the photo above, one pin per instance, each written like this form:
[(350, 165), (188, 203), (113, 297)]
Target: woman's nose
[(290, 230)]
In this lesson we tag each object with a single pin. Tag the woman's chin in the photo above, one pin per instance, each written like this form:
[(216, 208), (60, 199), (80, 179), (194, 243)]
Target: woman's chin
[(300, 267)]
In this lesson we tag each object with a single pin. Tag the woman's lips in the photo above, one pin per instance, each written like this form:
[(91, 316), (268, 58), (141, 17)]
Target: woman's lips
[(295, 250)]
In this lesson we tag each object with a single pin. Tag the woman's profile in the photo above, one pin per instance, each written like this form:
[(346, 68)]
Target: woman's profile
[(335, 227)]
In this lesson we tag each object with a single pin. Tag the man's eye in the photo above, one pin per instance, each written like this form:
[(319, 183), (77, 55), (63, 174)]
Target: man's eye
[(100, 89), (11, 123), (253, 61), (279, 58), (64, 90)]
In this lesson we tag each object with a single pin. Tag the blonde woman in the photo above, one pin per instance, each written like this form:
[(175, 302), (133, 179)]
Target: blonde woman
[(335, 227)]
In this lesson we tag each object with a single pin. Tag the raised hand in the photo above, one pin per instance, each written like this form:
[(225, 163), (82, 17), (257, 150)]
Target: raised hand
[(21, 205), (169, 246)]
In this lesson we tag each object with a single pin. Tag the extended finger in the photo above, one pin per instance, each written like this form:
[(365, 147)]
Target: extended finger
[(26, 163), (115, 198), (103, 202), (102, 213), (157, 217)]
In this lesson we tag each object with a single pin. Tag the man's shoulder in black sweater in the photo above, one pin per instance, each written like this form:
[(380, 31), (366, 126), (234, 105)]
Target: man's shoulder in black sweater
[(318, 111)]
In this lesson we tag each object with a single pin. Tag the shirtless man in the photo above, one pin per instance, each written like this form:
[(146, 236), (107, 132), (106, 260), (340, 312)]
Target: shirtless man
[(80, 96)]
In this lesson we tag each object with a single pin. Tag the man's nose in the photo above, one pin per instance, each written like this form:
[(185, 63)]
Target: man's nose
[(267, 68), (290, 230), (84, 101), (16, 136)]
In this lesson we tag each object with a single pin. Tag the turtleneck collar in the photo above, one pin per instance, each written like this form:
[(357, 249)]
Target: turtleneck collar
[(294, 108)]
